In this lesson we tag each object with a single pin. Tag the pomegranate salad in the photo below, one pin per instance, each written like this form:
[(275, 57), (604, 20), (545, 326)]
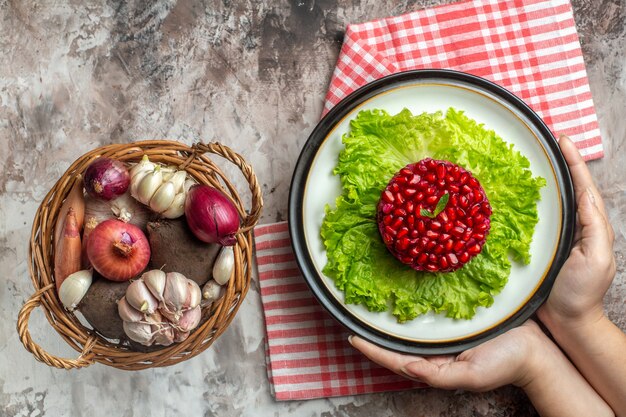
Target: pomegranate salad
[(433, 210)]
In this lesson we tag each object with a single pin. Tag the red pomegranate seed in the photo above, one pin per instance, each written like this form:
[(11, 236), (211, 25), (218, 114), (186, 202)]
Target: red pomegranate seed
[(388, 196), (430, 177), (457, 231), (458, 246), (409, 206), (397, 223), (448, 245), (432, 199), (432, 267), (409, 192), (443, 263), (415, 179), (402, 233), (390, 230), (422, 257), (441, 171), (419, 196), (387, 220), (435, 225), (474, 249), (431, 234), (464, 257), (399, 212), (452, 258), (414, 233)]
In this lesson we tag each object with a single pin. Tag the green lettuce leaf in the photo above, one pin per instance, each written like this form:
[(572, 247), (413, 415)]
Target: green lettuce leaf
[(377, 146)]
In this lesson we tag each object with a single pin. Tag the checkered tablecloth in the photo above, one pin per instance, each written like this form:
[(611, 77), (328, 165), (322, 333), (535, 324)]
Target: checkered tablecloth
[(529, 47)]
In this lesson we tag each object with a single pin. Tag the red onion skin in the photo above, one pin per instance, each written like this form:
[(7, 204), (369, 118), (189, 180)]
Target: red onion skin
[(106, 178), (211, 216), (118, 251)]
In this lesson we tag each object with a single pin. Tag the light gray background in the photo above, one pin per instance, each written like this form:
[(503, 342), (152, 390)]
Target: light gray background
[(252, 74)]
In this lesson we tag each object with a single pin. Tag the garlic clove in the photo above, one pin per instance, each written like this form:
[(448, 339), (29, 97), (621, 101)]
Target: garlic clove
[(142, 166), (224, 265), (178, 180), (176, 291), (171, 316), (155, 281), (74, 288), (163, 197), (189, 320), (211, 291), (139, 297), (195, 295), (177, 208), (149, 185), (135, 182), (189, 182), (140, 332), (127, 312), (180, 336), (164, 336)]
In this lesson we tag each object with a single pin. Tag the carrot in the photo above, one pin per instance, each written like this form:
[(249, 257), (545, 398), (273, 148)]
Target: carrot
[(68, 249), (75, 200)]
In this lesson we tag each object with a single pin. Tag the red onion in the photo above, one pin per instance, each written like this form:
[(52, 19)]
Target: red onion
[(211, 216), (106, 178), (118, 251)]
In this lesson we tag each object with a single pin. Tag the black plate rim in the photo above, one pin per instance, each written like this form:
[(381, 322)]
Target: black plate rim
[(296, 221)]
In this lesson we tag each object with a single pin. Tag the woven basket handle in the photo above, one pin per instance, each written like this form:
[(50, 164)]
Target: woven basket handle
[(257, 199), (85, 358)]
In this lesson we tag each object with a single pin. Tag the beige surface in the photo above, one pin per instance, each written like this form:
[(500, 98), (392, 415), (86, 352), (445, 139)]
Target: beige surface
[(251, 74)]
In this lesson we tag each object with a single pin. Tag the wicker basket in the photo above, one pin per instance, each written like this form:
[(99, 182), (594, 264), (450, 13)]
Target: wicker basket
[(92, 346)]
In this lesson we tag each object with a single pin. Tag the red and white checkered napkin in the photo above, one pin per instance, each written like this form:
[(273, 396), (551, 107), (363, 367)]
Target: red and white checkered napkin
[(308, 354), (529, 47)]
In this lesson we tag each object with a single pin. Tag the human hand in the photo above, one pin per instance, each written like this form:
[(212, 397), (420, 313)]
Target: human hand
[(511, 358), (576, 296)]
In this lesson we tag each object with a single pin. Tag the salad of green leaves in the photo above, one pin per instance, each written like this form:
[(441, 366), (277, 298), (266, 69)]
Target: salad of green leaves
[(377, 146)]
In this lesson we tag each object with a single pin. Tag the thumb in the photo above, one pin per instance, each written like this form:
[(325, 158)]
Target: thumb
[(594, 232), (450, 375)]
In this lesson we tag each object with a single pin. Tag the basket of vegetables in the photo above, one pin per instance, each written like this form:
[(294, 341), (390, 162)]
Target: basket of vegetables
[(140, 254)]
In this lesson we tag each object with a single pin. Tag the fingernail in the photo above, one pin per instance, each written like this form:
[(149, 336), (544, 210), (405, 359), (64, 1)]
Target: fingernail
[(592, 198), (561, 136), (350, 339)]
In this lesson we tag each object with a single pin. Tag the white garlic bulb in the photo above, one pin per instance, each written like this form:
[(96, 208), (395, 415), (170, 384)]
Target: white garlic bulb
[(160, 308), (161, 188)]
